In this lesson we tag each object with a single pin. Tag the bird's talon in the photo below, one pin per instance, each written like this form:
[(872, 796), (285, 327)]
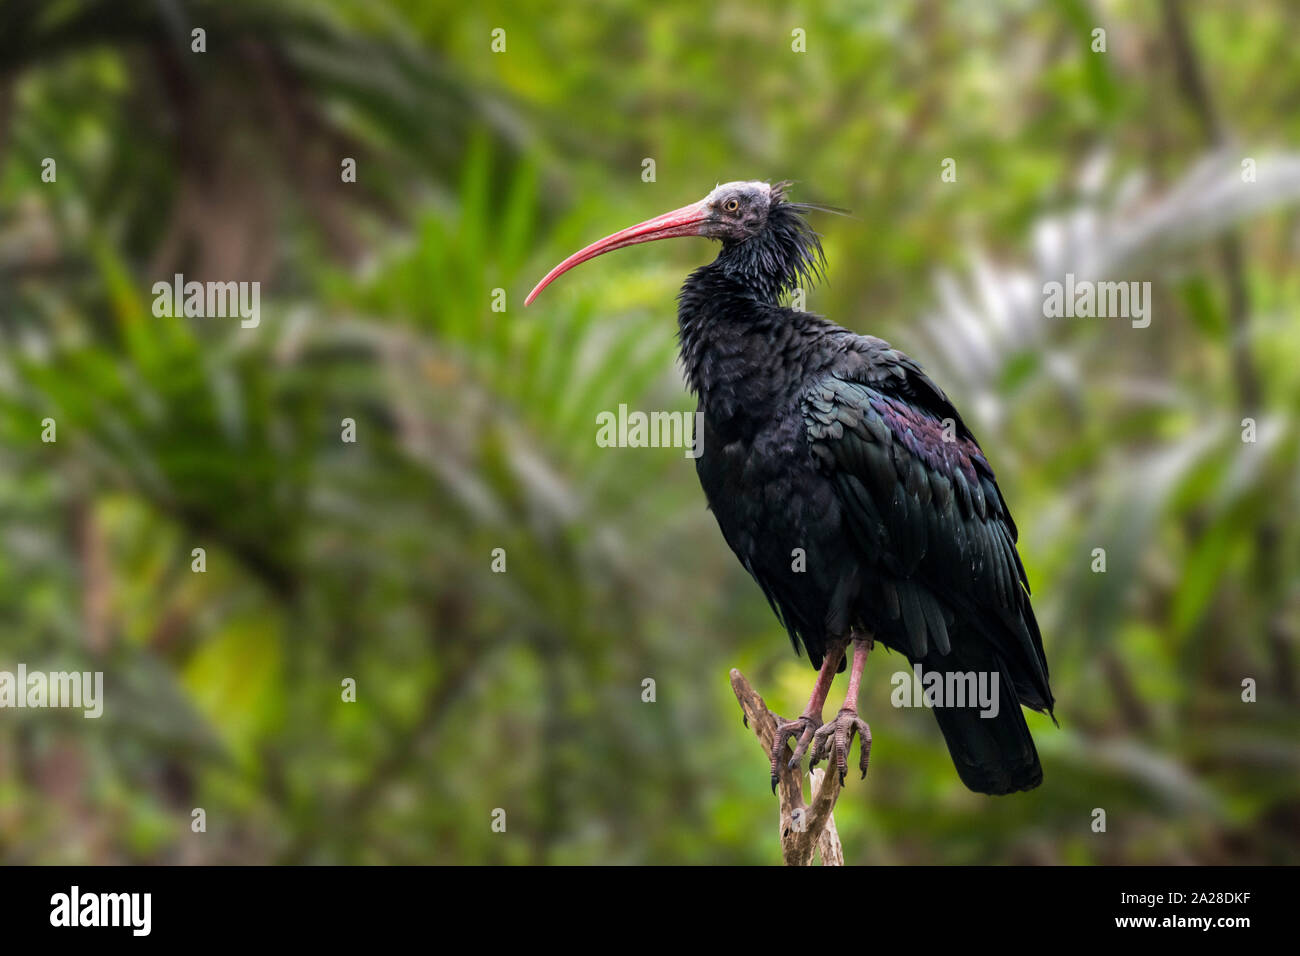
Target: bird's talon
[(833, 741), (802, 729)]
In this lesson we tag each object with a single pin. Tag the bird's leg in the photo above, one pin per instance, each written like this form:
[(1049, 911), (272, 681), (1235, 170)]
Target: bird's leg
[(837, 736), (805, 725)]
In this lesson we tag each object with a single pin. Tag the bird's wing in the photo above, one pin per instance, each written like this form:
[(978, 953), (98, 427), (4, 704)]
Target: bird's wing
[(925, 508)]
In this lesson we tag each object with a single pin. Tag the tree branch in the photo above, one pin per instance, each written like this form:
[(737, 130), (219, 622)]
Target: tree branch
[(804, 829)]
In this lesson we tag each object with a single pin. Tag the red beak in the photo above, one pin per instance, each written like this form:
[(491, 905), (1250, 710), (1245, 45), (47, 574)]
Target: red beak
[(680, 222)]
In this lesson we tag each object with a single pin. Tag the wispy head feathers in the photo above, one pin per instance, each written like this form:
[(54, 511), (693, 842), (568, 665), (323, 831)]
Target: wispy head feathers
[(786, 254), (780, 195)]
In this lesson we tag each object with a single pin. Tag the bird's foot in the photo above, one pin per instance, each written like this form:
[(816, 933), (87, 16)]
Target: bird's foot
[(833, 740), (802, 729)]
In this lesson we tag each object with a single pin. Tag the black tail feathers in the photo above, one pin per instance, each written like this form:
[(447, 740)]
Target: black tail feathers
[(993, 752)]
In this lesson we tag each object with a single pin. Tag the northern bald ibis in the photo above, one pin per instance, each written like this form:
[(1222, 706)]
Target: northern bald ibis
[(836, 447)]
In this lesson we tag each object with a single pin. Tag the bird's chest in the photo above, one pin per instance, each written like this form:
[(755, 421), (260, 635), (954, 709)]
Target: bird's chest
[(763, 485)]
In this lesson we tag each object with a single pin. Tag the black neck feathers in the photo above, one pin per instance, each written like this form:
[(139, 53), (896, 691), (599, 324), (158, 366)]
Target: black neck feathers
[(739, 348)]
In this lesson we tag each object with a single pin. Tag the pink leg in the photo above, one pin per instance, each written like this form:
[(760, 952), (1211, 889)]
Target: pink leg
[(805, 725), (825, 677), (861, 648), (837, 736)]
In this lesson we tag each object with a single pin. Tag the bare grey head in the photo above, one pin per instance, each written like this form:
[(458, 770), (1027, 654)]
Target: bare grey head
[(737, 211)]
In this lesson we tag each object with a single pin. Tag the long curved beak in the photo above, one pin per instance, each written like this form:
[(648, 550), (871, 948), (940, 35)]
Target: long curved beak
[(680, 222)]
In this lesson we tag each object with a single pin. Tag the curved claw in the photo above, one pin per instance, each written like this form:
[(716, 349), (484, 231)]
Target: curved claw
[(801, 727), (802, 747), (864, 735), (841, 731)]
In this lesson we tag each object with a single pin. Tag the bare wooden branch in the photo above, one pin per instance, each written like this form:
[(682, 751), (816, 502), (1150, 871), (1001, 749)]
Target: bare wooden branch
[(805, 830)]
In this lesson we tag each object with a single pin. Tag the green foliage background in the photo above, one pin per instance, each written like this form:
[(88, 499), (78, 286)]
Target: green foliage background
[(476, 429)]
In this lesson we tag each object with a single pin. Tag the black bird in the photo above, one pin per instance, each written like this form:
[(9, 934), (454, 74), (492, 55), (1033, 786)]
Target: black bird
[(850, 489)]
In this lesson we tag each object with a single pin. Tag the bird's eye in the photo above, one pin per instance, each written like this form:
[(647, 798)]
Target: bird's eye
[(732, 205)]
